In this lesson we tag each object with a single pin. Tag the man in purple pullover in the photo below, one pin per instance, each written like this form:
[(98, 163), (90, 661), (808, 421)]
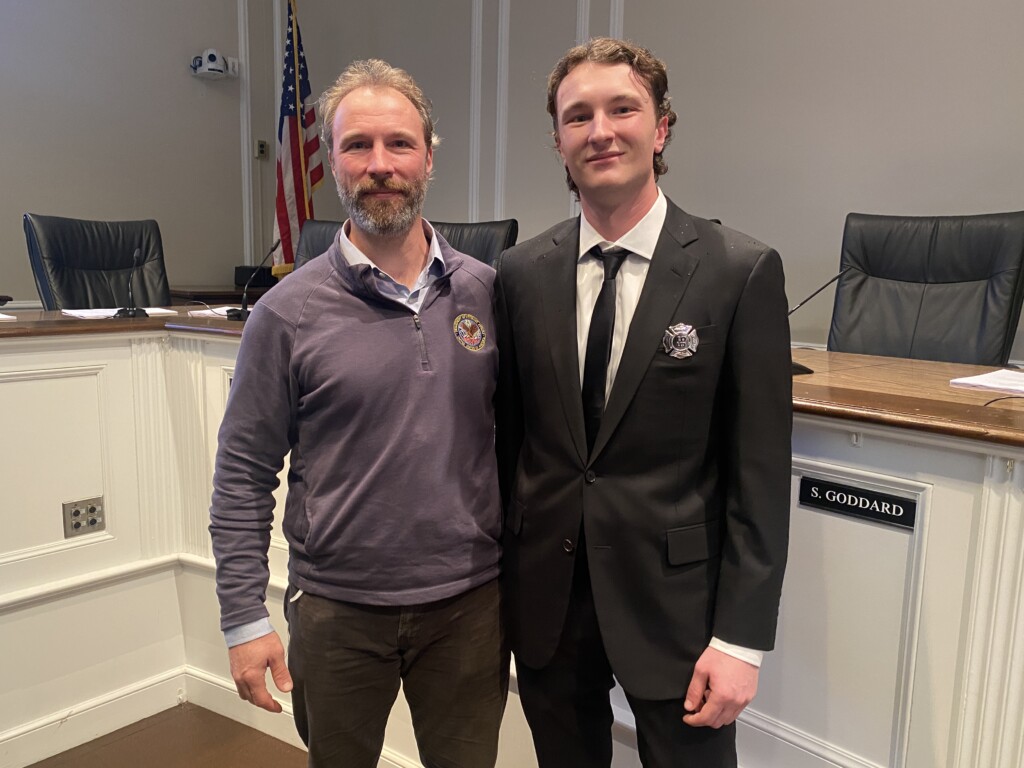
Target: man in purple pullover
[(375, 367)]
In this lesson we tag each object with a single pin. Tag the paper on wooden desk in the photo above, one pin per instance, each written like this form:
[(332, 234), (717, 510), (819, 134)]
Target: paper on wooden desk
[(94, 314), (1001, 381)]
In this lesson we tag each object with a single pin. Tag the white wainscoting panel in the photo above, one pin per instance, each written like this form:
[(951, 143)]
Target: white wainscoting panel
[(93, 647), (69, 411), (832, 686)]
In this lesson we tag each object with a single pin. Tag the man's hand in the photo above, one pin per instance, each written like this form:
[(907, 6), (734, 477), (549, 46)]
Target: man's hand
[(249, 663), (721, 687)]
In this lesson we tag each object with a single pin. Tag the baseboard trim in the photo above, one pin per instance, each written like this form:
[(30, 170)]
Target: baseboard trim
[(70, 727), (788, 737), (218, 694)]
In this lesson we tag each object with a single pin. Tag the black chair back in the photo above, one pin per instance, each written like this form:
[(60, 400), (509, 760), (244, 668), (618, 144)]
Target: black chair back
[(945, 288), (81, 264), (483, 240), (315, 238)]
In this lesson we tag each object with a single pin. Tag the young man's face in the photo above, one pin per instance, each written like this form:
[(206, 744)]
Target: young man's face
[(380, 160), (608, 132)]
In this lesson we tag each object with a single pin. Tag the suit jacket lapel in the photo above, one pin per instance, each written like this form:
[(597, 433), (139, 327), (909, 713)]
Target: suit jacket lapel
[(670, 271), (557, 276)]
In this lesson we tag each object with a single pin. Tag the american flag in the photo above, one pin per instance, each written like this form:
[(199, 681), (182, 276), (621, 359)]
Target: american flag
[(299, 172)]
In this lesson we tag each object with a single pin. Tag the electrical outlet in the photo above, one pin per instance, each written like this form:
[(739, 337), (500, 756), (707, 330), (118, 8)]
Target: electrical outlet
[(84, 516), (262, 149), (232, 66)]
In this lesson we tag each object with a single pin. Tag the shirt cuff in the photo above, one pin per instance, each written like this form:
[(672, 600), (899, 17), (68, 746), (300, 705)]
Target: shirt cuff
[(748, 655), (245, 632)]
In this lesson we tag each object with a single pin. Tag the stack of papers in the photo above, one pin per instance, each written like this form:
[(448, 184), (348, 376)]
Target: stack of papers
[(210, 312), (92, 314), (1001, 381)]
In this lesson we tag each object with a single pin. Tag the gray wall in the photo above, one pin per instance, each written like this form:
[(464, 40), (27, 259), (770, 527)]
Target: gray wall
[(795, 112), (792, 114), (102, 119)]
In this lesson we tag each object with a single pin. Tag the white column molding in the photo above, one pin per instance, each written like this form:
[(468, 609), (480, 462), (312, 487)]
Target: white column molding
[(250, 194), (582, 21), (501, 97), (475, 106), (616, 14), (991, 728), (159, 490), (582, 35), (186, 394)]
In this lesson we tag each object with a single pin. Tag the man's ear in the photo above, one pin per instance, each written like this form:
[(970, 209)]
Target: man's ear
[(558, 145), (660, 134)]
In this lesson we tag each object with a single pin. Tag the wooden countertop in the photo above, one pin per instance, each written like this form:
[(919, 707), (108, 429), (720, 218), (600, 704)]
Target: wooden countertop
[(213, 325), (35, 322), (908, 394), (911, 394)]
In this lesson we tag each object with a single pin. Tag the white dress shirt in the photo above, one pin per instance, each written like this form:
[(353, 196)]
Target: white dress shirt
[(640, 241)]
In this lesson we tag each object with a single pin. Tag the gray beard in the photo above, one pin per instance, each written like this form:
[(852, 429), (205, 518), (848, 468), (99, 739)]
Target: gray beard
[(385, 218)]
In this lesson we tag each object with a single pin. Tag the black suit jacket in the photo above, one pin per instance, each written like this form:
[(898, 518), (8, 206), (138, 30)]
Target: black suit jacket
[(685, 499)]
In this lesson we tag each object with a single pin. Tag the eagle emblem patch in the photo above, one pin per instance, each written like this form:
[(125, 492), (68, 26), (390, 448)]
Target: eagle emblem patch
[(469, 332)]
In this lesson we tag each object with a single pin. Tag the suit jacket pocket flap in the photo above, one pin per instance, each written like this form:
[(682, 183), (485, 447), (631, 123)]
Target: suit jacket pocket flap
[(687, 545)]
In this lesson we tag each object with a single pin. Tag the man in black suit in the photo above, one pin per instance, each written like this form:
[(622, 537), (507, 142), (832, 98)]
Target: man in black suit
[(644, 419)]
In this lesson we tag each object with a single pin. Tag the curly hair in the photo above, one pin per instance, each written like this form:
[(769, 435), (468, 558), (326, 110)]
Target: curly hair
[(646, 66)]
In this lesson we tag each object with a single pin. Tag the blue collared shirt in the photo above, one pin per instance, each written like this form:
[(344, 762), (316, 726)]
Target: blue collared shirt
[(389, 287)]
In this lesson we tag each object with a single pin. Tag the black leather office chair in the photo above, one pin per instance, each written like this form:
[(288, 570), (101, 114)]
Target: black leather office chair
[(81, 264), (315, 238), (945, 288), (483, 240)]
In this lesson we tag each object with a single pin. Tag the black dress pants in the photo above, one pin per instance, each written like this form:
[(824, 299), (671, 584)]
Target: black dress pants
[(568, 708)]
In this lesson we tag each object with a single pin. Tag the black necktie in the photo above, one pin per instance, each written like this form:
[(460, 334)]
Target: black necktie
[(599, 343)]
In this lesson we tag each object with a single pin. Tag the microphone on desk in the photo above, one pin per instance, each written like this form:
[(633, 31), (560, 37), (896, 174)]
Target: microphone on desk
[(243, 313), (798, 369), (131, 310)]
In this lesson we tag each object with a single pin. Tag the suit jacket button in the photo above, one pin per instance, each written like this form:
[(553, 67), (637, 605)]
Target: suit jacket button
[(568, 546), (590, 477)]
